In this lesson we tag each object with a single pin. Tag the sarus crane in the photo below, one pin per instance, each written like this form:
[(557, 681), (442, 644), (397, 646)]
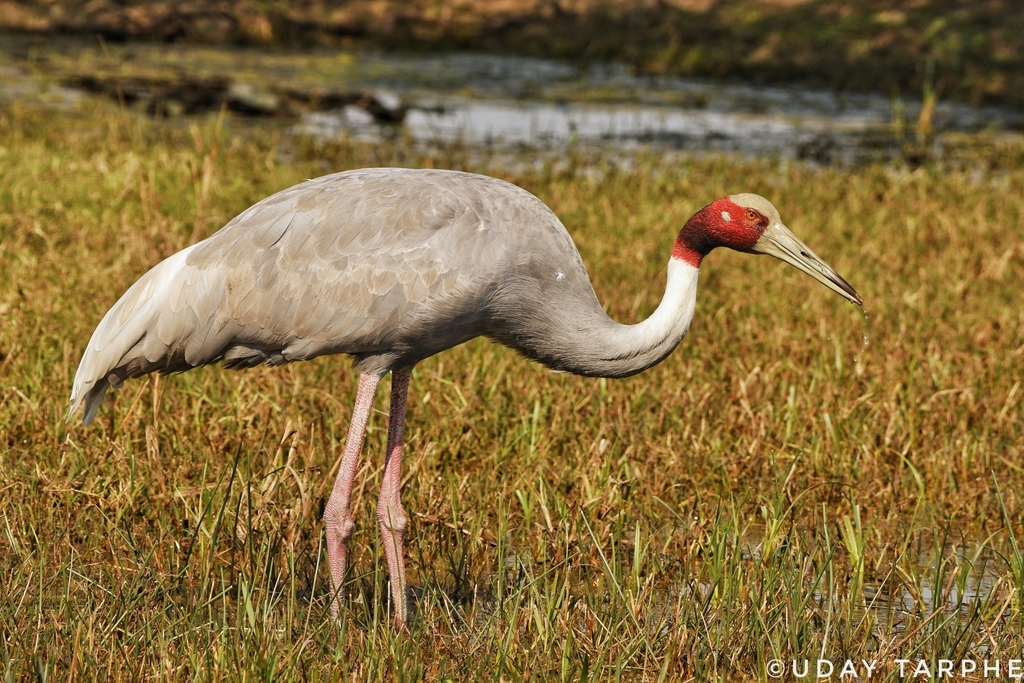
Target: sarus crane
[(392, 266)]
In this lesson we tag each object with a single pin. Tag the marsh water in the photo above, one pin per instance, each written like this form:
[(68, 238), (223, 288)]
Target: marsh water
[(511, 101)]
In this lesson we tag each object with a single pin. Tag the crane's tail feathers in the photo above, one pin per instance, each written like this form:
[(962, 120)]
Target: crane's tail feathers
[(92, 399), (155, 326)]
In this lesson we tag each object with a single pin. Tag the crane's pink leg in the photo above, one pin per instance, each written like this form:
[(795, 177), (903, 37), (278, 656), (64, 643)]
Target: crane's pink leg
[(337, 516), (390, 514)]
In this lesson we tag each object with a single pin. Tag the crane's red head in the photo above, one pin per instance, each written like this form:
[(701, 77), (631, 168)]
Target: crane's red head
[(736, 221), (749, 223)]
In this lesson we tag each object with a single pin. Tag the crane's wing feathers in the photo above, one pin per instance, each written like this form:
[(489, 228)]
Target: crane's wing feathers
[(357, 262)]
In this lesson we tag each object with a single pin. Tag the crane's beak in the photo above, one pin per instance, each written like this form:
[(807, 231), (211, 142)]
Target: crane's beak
[(779, 242)]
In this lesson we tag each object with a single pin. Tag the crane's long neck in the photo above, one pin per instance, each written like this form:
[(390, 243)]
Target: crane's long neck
[(615, 350)]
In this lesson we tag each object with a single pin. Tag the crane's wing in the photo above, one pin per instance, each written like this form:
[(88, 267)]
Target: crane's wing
[(349, 263)]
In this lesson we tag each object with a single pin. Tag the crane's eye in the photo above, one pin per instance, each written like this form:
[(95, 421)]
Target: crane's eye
[(751, 215)]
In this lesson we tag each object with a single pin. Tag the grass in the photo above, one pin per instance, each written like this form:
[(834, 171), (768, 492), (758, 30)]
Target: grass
[(774, 490)]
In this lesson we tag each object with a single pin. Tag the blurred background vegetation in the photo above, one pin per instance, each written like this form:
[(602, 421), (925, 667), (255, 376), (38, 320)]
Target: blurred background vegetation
[(969, 50)]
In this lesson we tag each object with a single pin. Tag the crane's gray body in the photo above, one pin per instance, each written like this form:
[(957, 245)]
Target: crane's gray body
[(388, 265)]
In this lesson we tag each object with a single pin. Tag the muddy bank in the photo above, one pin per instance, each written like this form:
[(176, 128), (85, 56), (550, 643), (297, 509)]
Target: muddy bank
[(956, 49)]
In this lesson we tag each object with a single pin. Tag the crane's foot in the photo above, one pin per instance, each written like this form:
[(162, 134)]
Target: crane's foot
[(338, 533), (392, 536)]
